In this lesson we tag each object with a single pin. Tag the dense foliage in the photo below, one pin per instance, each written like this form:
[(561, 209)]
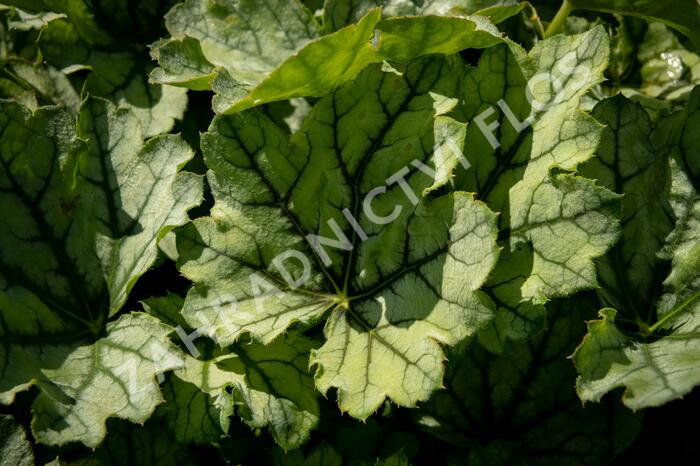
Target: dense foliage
[(356, 232)]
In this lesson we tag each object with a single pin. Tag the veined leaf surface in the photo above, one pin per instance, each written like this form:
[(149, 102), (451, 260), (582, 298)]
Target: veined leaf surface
[(389, 300), (80, 231), (254, 63), (657, 295), (266, 386), (524, 129)]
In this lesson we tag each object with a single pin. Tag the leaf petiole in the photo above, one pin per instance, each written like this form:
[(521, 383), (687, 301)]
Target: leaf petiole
[(559, 19), (674, 312)]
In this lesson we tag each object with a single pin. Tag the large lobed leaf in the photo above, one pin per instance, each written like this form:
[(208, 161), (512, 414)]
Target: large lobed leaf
[(80, 230), (391, 298), (280, 249), (652, 277), (293, 241), (521, 407)]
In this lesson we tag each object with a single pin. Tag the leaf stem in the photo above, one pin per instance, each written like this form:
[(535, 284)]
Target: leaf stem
[(535, 20), (559, 19), (674, 312)]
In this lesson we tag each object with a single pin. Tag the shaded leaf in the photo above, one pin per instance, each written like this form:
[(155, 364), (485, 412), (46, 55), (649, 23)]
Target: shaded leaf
[(115, 376), (81, 232), (15, 449), (266, 386), (118, 68), (525, 125), (133, 445), (682, 15), (521, 407), (657, 362), (250, 65)]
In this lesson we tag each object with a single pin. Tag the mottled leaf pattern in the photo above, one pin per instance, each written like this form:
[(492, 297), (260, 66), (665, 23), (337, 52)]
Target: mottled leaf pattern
[(115, 376), (340, 13), (266, 386), (83, 230), (272, 192), (376, 238), (659, 362), (524, 123), (15, 449), (253, 63)]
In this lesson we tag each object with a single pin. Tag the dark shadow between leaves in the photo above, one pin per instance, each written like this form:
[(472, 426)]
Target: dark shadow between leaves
[(526, 398)]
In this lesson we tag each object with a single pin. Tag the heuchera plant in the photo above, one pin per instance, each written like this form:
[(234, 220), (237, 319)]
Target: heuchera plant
[(365, 232)]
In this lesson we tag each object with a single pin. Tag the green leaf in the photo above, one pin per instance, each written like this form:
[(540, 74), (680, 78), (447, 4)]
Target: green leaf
[(659, 361), (566, 219), (275, 196), (11, 90), (118, 69), (182, 63), (668, 71), (628, 163), (249, 66), (15, 449), (230, 46), (80, 230), (397, 459), (50, 85), (23, 77), (524, 126), (334, 59), (21, 20), (521, 407), (314, 71), (113, 377), (192, 415), (323, 455), (404, 39), (340, 13), (266, 386), (682, 15), (270, 387), (132, 219)]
